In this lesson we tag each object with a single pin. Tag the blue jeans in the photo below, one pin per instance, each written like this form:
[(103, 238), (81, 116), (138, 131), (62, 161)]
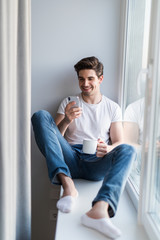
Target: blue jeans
[(68, 159)]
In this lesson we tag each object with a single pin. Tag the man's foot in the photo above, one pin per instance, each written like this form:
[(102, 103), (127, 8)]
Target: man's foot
[(99, 210), (70, 194), (102, 225), (98, 219), (67, 203)]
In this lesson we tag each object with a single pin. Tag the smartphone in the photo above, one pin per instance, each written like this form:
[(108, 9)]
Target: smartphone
[(74, 99)]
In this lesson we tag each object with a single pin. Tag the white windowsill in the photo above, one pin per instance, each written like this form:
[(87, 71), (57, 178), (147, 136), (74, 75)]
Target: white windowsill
[(69, 226), (132, 194)]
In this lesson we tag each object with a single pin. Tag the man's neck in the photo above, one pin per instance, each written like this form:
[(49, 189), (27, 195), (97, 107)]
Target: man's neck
[(92, 99)]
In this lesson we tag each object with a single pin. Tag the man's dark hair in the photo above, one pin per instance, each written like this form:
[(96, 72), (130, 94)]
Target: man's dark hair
[(89, 63)]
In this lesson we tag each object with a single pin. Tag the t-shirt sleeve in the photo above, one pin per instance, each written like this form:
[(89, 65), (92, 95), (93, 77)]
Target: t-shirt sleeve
[(130, 115), (117, 114), (62, 106)]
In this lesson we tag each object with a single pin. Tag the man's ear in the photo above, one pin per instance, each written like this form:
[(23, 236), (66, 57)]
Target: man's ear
[(100, 79)]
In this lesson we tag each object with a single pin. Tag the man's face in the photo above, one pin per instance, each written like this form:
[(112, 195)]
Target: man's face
[(89, 83)]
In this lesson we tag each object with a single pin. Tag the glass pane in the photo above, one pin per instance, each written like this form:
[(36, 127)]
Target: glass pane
[(134, 51), (135, 82), (155, 201)]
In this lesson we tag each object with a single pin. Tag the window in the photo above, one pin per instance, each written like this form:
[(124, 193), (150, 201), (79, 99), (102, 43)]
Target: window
[(154, 206), (149, 205), (141, 108), (135, 73)]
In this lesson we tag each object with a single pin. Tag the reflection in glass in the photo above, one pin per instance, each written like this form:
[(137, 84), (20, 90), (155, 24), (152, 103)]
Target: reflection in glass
[(135, 51), (135, 81), (155, 207), (133, 129)]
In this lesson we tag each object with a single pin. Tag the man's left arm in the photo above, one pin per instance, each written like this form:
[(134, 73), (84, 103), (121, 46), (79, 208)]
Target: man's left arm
[(116, 136)]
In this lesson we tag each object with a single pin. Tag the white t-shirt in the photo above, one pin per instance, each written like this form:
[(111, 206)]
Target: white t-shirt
[(94, 122), (135, 113)]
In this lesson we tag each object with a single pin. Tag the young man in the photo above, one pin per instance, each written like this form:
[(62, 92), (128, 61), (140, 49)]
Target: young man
[(97, 118)]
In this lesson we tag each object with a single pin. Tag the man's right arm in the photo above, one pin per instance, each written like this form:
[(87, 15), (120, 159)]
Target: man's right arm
[(63, 120)]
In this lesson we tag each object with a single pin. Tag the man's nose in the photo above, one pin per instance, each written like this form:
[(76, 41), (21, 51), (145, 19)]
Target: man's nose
[(85, 82)]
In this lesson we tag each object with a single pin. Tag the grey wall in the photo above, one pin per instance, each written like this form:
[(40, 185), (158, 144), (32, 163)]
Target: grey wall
[(63, 32)]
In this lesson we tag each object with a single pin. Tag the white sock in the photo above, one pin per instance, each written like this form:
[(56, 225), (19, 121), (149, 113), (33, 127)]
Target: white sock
[(66, 204), (103, 225)]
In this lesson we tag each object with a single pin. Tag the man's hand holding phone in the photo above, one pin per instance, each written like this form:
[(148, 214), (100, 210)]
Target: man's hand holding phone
[(73, 109)]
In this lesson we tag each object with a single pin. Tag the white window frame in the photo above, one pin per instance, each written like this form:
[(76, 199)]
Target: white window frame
[(142, 202), (144, 216), (130, 186), (124, 27)]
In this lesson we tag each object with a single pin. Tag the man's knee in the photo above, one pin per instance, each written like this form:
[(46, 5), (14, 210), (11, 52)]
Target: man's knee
[(39, 116), (127, 150)]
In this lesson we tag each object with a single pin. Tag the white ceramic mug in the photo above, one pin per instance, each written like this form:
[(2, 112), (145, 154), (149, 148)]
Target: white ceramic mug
[(89, 146)]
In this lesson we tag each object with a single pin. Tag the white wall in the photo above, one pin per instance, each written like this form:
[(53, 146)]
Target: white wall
[(63, 32)]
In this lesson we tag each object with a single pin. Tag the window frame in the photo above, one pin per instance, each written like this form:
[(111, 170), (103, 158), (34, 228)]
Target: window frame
[(142, 202), (147, 176), (129, 185)]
